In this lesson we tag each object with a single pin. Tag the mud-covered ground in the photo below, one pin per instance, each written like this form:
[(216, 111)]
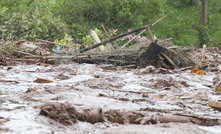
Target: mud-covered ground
[(86, 98)]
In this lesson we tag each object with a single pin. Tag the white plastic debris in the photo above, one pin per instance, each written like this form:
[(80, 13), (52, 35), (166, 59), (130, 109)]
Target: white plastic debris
[(96, 39)]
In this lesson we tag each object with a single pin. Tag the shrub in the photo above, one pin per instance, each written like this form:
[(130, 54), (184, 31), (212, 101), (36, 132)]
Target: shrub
[(37, 22)]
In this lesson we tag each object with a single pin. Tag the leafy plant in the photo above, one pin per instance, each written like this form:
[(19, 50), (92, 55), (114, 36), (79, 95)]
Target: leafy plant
[(67, 40), (88, 39), (183, 3), (31, 19), (36, 22)]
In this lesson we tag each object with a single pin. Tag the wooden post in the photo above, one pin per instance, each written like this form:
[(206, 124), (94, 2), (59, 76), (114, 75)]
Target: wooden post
[(150, 36)]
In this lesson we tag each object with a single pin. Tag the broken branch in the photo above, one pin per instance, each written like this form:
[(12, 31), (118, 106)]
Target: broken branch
[(23, 52), (107, 34), (150, 36), (9, 81), (168, 59)]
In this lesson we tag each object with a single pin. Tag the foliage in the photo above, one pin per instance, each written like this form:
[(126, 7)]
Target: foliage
[(67, 40), (31, 19), (180, 26), (88, 39), (36, 22), (183, 3), (83, 15), (136, 13)]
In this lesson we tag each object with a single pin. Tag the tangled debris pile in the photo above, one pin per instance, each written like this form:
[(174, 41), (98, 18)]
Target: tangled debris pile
[(12, 52), (162, 54)]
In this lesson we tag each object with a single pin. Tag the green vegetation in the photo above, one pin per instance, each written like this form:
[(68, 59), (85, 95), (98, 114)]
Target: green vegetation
[(51, 19)]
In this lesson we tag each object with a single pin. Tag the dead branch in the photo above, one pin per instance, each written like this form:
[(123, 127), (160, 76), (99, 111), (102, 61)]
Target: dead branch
[(165, 40), (168, 59), (25, 60), (9, 81), (112, 43), (158, 21), (136, 92), (23, 52), (150, 36)]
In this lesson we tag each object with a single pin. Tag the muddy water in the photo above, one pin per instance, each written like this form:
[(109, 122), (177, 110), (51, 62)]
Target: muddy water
[(84, 98)]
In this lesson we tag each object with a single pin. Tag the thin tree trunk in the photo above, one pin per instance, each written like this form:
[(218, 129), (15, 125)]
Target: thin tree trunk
[(204, 13), (203, 21)]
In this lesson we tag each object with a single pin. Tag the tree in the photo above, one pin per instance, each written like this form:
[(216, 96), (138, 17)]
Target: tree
[(203, 21)]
